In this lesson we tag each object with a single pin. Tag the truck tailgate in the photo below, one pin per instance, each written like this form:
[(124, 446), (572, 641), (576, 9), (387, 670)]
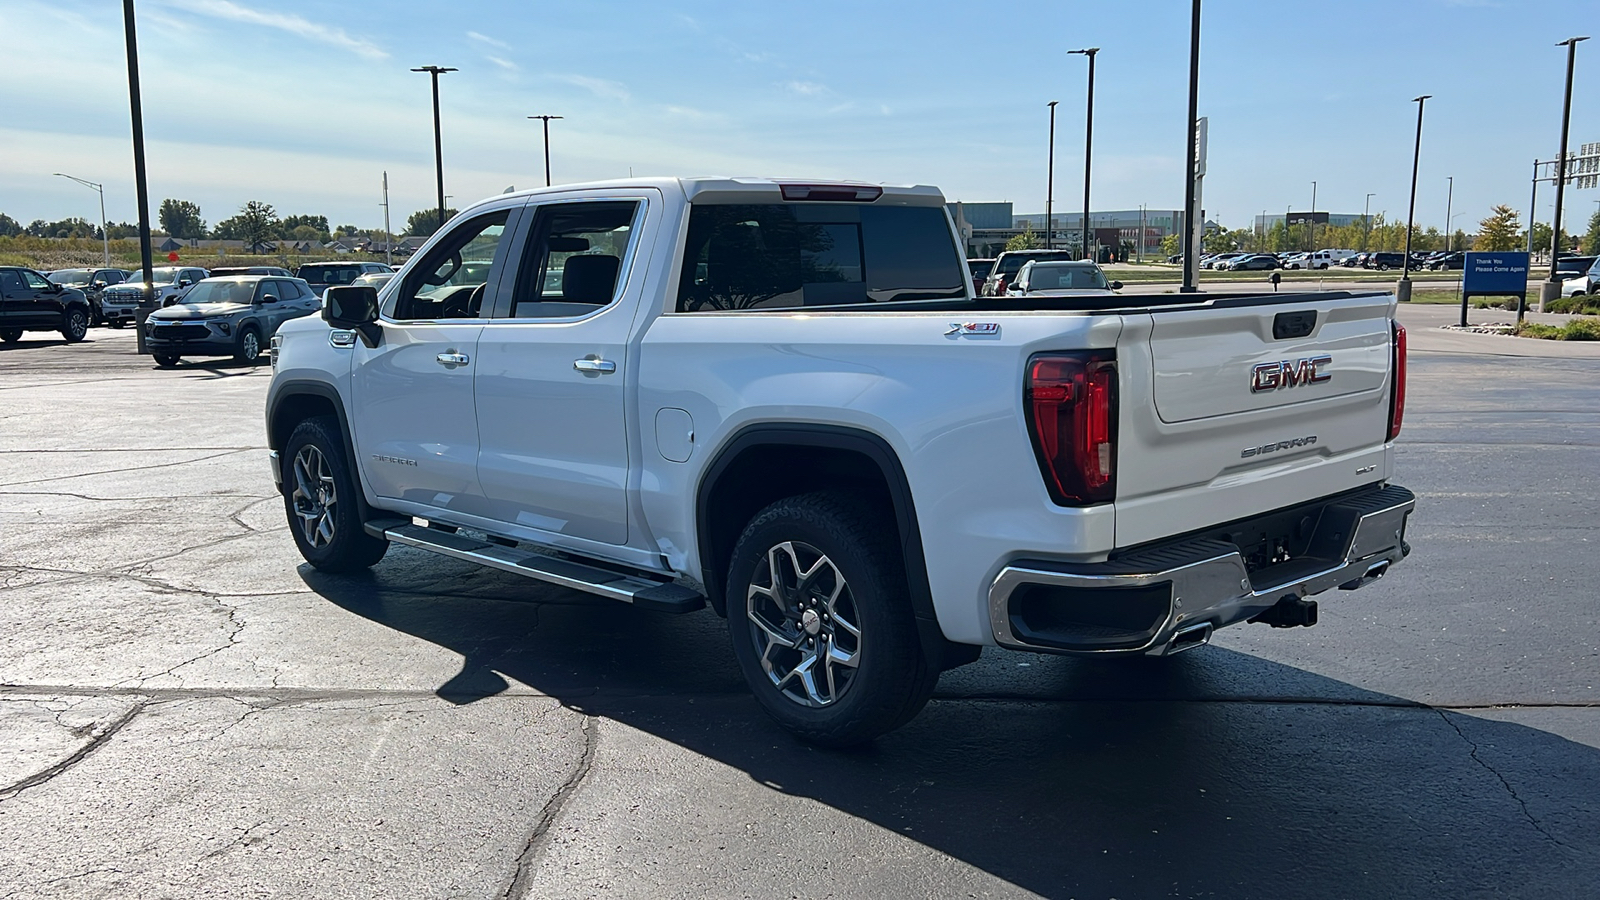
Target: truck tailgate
[(1247, 406)]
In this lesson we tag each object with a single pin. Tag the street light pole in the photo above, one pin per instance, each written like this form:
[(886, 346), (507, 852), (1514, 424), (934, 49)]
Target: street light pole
[(1050, 181), (1088, 142), (438, 145), (1403, 289), (1191, 265), (105, 237), (1313, 229), (147, 298), (1551, 289), (547, 146), (1366, 220), (1449, 199)]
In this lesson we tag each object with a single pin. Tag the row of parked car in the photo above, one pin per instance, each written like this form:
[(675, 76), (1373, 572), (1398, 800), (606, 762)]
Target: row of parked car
[(227, 311), (1239, 260), (1039, 273)]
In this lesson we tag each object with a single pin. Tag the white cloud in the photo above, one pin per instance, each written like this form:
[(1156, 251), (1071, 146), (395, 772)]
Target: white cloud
[(806, 88), (600, 87), (321, 32), (483, 38), (506, 64)]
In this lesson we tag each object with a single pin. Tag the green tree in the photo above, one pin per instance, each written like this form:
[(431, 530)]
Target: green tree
[(1501, 230), (256, 223), (1171, 245), (318, 224), (1216, 240), (64, 228), (9, 227), (1591, 238), (425, 222), (1541, 237), (181, 219), (1027, 240)]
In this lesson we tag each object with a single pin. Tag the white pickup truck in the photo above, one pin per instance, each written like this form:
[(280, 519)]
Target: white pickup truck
[(783, 399)]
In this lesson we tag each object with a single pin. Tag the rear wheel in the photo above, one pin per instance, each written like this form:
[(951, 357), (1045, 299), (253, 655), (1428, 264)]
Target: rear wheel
[(117, 323), (10, 335), (166, 360), (320, 500), (821, 620), (75, 324)]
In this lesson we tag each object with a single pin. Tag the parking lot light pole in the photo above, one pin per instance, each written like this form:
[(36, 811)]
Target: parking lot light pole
[(1403, 289), (147, 297), (438, 145), (1449, 200), (1551, 289), (1050, 180), (1088, 142), (1312, 229), (105, 238), (1191, 265), (547, 146)]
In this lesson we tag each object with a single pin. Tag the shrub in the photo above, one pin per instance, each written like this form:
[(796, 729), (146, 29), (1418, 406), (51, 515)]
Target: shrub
[(1585, 304), (1575, 330)]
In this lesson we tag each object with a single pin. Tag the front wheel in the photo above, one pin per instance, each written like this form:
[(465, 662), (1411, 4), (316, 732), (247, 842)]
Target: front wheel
[(320, 500), (248, 350), (117, 323), (821, 621), (10, 335), (166, 360), (74, 325)]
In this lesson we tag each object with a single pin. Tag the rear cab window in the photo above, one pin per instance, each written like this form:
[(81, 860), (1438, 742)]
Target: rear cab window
[(791, 255)]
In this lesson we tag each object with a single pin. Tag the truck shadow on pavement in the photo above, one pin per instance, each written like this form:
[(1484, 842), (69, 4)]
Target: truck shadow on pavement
[(1215, 773)]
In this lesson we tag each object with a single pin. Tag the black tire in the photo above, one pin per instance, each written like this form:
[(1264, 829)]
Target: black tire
[(117, 323), (10, 335), (166, 360), (74, 324), (889, 682), (247, 349), (326, 524)]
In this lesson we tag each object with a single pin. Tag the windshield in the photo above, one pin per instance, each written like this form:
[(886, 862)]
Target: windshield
[(1058, 277), (220, 291), (71, 276), (1012, 263), (329, 274), (1570, 266)]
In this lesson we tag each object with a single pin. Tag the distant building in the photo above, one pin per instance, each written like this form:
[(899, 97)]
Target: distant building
[(1267, 223), (986, 227)]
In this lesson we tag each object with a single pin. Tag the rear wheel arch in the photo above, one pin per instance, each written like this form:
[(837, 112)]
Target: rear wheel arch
[(765, 462)]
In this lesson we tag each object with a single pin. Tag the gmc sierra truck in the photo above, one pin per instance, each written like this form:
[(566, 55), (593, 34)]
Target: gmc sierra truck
[(783, 400)]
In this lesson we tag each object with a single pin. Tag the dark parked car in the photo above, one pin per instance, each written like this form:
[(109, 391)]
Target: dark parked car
[(91, 282), (31, 302), (1355, 262), (227, 317), (1259, 262), (1384, 260), (1009, 263), (227, 271), (980, 273), (323, 275), (1446, 261)]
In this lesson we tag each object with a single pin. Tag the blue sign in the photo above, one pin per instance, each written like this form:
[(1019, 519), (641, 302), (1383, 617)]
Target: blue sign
[(1492, 272)]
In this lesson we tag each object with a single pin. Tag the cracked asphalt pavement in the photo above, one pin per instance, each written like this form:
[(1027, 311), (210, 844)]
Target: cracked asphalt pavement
[(188, 711)]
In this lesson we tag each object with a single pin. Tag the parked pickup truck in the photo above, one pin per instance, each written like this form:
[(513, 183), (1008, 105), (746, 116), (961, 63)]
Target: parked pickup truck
[(784, 401)]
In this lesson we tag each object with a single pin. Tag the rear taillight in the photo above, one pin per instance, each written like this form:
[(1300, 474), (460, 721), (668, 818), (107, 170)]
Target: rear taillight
[(1397, 399), (846, 193), (1071, 401)]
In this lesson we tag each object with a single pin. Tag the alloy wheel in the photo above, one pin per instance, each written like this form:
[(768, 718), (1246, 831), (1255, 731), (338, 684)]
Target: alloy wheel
[(314, 497), (249, 346), (803, 620)]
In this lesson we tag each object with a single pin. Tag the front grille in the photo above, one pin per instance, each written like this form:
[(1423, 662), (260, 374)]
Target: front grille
[(181, 332)]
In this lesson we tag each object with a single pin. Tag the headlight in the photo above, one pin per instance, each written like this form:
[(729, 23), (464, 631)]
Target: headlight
[(272, 350)]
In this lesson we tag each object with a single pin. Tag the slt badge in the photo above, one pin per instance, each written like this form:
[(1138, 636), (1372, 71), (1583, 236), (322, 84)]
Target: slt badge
[(973, 328)]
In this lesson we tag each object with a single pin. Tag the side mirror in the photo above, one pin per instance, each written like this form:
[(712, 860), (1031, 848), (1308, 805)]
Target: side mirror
[(184, 282), (354, 308), (99, 284), (1116, 285)]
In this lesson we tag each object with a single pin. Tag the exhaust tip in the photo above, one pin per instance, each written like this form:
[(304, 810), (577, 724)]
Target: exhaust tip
[(1189, 638)]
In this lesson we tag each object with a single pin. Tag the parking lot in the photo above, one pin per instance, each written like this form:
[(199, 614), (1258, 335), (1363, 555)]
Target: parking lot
[(187, 710)]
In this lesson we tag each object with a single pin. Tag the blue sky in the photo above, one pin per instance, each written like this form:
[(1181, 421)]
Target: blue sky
[(304, 104)]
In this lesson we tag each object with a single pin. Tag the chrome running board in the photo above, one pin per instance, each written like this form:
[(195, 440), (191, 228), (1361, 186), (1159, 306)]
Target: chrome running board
[(635, 589)]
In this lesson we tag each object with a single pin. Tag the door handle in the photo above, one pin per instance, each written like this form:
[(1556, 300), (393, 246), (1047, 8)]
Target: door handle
[(452, 359), (603, 366)]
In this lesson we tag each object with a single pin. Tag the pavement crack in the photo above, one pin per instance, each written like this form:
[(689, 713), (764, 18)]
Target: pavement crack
[(537, 838), (124, 469), (97, 741), (1523, 804)]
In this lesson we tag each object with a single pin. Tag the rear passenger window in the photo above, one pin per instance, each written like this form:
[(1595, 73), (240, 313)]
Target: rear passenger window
[(788, 255), (573, 264)]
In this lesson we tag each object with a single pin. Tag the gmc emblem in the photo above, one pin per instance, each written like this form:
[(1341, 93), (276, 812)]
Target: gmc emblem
[(1286, 374)]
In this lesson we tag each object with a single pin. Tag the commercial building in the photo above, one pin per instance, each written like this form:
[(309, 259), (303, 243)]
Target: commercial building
[(1115, 234)]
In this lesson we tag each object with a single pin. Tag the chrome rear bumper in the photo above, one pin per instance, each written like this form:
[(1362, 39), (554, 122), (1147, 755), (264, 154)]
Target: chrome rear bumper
[(1171, 597)]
